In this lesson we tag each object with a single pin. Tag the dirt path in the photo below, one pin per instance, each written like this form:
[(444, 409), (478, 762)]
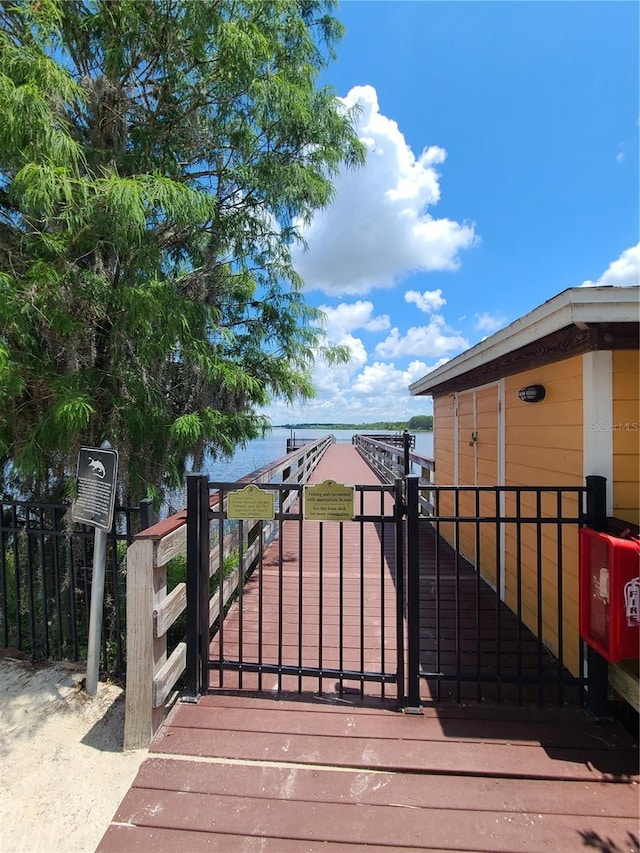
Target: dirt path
[(63, 771)]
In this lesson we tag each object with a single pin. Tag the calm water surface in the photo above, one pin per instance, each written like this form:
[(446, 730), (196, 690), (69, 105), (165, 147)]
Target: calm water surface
[(261, 451)]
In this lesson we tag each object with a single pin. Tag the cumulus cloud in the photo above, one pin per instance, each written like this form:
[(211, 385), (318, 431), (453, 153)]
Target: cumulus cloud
[(375, 392), (330, 378), (623, 272), (430, 300), (434, 340), (384, 381), (489, 323), (377, 229), (347, 317)]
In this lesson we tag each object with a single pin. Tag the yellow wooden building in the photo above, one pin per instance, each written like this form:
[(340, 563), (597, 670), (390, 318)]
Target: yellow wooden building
[(579, 353)]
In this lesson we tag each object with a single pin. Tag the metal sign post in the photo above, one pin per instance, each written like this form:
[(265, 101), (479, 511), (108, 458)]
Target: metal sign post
[(94, 506)]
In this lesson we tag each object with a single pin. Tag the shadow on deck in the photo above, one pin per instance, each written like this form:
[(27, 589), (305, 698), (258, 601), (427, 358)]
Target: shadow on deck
[(472, 646)]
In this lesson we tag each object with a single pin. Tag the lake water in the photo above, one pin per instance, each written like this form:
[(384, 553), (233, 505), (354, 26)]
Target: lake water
[(261, 451)]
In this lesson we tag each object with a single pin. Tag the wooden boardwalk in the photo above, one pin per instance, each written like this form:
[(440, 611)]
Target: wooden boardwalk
[(335, 770)]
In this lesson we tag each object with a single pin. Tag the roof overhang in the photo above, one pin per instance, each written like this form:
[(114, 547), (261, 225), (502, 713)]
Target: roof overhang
[(578, 320)]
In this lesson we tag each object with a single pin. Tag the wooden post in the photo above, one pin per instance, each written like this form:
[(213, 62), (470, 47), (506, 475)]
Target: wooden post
[(138, 724), (406, 445), (596, 510), (159, 639)]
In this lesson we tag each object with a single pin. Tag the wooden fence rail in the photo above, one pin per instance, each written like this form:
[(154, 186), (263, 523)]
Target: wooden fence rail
[(395, 460), (153, 671)]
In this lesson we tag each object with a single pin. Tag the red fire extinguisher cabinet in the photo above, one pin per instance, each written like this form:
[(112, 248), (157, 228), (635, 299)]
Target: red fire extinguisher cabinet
[(610, 594)]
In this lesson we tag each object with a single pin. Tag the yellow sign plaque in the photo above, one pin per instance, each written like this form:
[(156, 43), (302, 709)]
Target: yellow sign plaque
[(251, 502), (328, 501)]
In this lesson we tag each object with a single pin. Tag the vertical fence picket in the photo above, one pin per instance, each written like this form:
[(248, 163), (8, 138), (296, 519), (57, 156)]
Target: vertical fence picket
[(398, 513), (413, 595)]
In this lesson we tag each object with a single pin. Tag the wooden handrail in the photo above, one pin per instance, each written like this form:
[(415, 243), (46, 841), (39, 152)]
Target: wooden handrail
[(388, 461), (152, 673)]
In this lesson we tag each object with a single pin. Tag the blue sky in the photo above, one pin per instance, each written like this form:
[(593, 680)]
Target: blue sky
[(502, 169)]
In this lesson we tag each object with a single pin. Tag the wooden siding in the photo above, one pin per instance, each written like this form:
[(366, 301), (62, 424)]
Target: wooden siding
[(487, 434), (544, 440), (466, 446), (489, 559), (544, 446), (626, 436), (477, 412), (444, 417), (467, 474), (540, 582), (443, 450)]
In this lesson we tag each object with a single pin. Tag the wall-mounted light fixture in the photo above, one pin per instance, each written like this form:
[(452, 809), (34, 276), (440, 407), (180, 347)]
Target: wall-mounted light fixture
[(532, 393)]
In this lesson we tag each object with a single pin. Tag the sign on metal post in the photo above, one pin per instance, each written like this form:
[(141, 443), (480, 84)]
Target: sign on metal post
[(96, 497), (94, 506)]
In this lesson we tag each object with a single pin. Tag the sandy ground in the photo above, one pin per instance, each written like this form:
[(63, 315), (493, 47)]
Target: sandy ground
[(63, 771)]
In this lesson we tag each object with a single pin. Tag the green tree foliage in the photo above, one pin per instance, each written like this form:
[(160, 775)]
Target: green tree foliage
[(424, 422), (155, 158)]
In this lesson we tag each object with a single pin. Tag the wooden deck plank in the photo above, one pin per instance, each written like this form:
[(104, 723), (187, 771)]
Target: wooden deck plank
[(394, 826), (506, 761), (283, 718), (145, 839), (292, 781)]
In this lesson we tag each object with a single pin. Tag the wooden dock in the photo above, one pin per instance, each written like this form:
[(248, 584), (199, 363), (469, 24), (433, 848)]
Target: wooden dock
[(335, 770)]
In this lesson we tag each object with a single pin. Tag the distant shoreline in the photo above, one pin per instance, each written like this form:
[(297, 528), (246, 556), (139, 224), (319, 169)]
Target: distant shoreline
[(370, 427)]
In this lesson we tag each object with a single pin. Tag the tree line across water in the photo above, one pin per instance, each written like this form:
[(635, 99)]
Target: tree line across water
[(421, 423)]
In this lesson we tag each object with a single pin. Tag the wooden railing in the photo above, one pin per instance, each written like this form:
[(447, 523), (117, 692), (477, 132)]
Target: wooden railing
[(152, 672), (393, 461)]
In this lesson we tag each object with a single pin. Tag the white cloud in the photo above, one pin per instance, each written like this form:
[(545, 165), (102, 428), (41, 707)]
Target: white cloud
[(377, 392), (487, 322), (377, 229), (623, 272), (382, 388), (358, 352), (347, 317), (432, 341), (331, 378), (430, 300), (379, 380)]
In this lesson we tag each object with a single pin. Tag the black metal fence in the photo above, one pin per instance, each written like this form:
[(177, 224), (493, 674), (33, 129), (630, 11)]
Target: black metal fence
[(489, 615), (45, 581)]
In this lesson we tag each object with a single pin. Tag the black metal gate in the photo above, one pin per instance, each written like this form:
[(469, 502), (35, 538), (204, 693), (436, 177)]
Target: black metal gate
[(292, 604), (476, 591)]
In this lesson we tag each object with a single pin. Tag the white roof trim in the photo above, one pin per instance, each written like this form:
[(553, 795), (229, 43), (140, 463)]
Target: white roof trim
[(574, 306)]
